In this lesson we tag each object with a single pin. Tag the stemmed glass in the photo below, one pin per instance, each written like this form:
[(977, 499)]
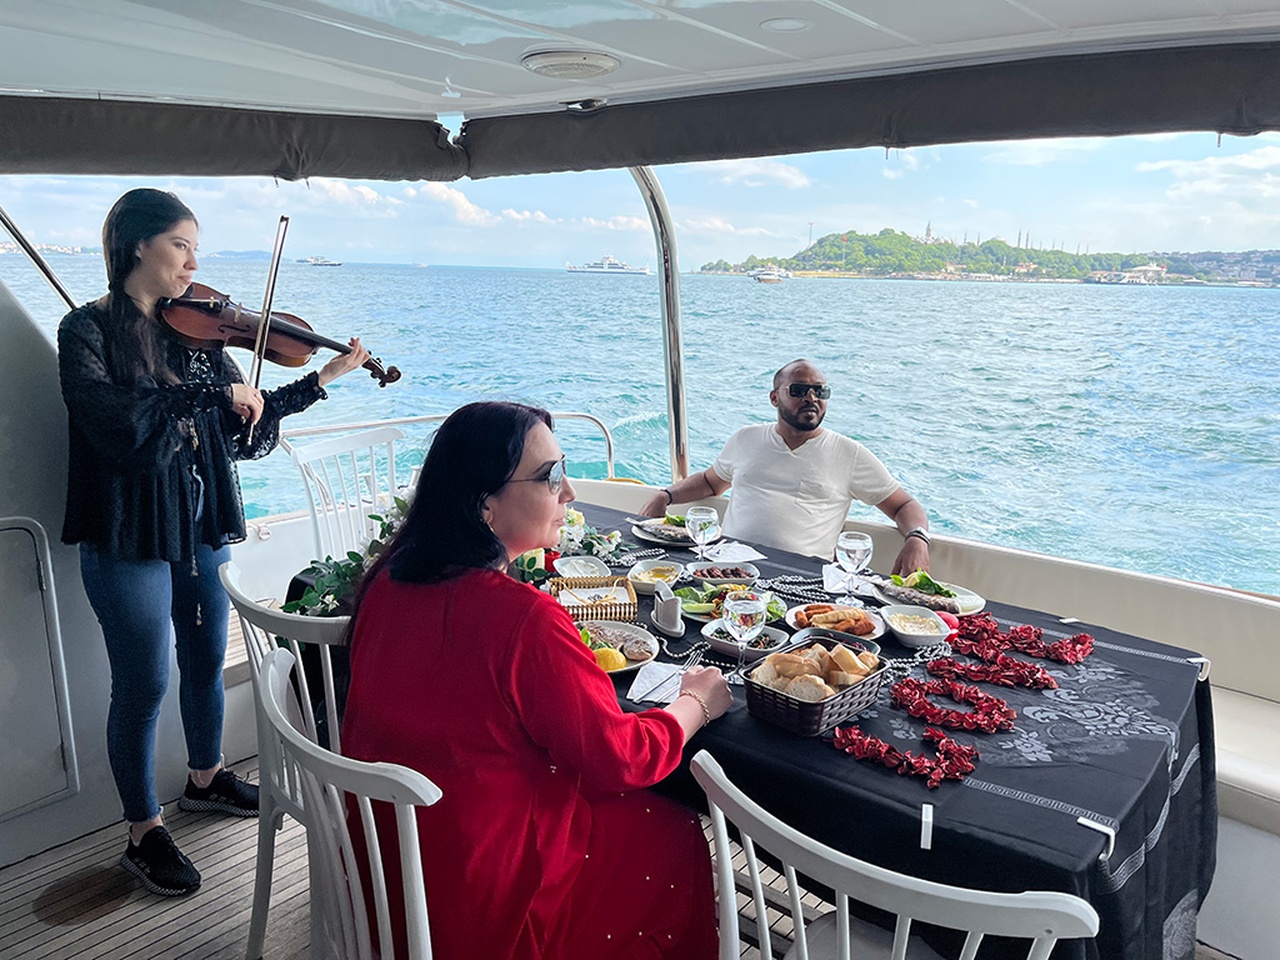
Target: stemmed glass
[(703, 525), (853, 553), (744, 615)]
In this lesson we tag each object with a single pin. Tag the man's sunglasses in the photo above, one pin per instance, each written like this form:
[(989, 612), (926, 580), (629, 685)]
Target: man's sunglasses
[(553, 478), (800, 390)]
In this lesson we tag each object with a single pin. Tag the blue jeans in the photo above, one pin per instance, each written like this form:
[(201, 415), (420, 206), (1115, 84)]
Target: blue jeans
[(135, 601)]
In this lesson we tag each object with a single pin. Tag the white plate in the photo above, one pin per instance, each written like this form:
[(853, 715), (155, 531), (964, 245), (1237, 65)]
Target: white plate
[(687, 541), (726, 646), (968, 601), (695, 570), (583, 566), (634, 630), (875, 634), (705, 617)]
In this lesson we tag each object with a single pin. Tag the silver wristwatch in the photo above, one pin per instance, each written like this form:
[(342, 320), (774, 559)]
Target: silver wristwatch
[(919, 532)]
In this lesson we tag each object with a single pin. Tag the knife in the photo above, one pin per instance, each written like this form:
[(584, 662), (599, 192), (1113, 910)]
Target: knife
[(657, 686)]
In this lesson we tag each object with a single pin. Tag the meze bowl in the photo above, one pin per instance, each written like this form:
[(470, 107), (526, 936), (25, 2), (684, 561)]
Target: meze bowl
[(769, 640), (645, 575), (914, 626)]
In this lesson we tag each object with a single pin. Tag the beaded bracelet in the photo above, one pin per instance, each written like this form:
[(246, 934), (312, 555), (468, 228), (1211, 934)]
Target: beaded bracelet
[(706, 713)]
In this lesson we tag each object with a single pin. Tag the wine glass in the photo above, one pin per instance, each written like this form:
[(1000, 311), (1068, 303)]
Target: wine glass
[(744, 615), (853, 553), (703, 525)]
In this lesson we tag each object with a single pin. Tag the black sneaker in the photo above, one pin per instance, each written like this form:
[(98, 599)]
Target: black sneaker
[(160, 865), (226, 794)]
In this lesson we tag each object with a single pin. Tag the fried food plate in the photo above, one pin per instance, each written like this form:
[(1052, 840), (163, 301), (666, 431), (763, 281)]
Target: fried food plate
[(875, 618), (615, 633)]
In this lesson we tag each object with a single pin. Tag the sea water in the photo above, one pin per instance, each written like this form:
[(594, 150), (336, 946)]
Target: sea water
[(1132, 426)]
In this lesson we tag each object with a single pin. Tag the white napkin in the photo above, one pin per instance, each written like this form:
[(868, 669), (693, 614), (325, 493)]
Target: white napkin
[(656, 682), (730, 551), (834, 579)]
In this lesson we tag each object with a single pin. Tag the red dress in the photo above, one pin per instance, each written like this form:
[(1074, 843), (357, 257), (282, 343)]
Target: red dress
[(543, 845)]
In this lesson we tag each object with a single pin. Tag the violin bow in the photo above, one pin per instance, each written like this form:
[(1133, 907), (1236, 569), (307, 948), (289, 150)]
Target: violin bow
[(260, 340)]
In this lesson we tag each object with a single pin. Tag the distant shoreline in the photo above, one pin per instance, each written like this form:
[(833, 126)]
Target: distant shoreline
[(963, 278)]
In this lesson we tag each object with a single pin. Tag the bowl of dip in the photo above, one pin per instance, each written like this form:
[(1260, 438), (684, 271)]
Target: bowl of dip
[(914, 626), (646, 574)]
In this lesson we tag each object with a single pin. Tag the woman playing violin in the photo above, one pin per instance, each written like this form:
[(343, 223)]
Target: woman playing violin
[(153, 499)]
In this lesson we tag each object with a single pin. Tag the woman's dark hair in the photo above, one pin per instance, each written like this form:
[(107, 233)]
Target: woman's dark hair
[(473, 454), (138, 345)]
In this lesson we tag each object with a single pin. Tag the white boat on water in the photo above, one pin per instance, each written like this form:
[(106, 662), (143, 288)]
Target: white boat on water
[(607, 264), (320, 262), (770, 276), (321, 90)]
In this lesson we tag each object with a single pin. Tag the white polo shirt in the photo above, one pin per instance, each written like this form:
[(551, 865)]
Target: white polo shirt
[(797, 499)]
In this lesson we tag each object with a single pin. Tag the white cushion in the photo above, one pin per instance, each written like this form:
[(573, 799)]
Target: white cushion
[(1247, 743)]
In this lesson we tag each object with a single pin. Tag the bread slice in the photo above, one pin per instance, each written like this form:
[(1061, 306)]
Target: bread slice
[(808, 688), (765, 673), (868, 660), (795, 665), (844, 659), (840, 679)]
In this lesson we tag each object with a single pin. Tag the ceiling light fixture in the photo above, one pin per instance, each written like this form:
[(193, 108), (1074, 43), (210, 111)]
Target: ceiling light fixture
[(570, 64), (785, 25)]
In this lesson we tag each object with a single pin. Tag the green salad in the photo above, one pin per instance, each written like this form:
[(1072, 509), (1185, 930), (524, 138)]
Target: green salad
[(924, 583), (710, 602), (674, 519)]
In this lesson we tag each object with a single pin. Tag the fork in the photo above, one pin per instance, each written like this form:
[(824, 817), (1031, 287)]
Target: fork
[(694, 658)]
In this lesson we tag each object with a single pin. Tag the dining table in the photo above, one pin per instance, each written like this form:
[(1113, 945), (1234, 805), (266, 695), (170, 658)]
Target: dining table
[(1103, 788)]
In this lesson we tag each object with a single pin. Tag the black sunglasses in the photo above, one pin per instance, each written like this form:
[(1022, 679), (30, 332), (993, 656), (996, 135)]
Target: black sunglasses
[(553, 478), (800, 390)]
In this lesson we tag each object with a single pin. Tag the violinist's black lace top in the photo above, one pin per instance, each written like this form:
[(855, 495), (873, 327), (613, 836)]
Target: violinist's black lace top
[(137, 449)]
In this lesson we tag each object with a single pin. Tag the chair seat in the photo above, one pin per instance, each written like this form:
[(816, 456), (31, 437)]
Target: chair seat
[(868, 942)]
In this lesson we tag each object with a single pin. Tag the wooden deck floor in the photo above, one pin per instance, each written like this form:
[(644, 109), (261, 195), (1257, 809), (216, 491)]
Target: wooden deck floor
[(76, 903)]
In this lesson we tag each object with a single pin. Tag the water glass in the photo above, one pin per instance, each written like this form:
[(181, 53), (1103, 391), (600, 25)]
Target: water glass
[(744, 616), (853, 553), (703, 525)]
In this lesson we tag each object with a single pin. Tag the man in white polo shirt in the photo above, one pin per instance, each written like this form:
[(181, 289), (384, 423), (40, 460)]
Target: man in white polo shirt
[(793, 481)]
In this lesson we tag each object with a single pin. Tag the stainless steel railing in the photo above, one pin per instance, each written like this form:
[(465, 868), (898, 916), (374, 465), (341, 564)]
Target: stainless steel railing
[(286, 436)]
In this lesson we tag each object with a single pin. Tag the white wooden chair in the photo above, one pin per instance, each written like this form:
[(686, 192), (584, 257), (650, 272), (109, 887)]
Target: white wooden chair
[(347, 478), (280, 793), (1042, 917), (339, 912)]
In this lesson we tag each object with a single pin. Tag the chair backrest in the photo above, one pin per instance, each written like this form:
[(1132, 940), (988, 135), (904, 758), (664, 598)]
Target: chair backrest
[(1042, 917), (328, 781), (265, 628), (347, 478)]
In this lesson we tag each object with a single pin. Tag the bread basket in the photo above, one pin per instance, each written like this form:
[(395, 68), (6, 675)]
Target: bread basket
[(595, 598), (810, 719)]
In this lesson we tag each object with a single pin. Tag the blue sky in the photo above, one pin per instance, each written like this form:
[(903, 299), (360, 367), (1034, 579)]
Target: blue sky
[(1165, 192)]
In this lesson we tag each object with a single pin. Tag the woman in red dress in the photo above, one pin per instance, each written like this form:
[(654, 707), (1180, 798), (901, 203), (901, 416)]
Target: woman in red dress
[(545, 844)]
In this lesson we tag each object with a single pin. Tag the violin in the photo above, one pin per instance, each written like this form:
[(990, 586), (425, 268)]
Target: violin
[(203, 319)]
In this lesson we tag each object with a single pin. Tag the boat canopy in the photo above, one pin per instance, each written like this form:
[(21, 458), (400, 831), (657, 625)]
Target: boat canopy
[(356, 88)]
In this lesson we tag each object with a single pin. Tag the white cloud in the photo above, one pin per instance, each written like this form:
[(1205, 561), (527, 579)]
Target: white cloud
[(1037, 153), (722, 227), (536, 216), (464, 211), (618, 222), (758, 173), (898, 163), (1248, 176)]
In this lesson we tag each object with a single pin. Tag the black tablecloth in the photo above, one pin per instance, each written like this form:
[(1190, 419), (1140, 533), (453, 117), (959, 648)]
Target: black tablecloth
[(1126, 741)]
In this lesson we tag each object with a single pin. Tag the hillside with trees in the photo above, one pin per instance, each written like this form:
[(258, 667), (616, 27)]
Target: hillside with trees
[(891, 252)]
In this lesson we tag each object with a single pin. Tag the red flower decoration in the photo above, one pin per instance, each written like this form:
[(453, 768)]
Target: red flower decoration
[(952, 760), (989, 713)]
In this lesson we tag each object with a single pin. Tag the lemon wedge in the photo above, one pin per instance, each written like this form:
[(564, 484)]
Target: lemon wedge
[(610, 659)]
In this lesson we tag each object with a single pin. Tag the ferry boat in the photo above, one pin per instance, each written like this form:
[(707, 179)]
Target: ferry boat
[(607, 264), (770, 276), (77, 75), (320, 262)]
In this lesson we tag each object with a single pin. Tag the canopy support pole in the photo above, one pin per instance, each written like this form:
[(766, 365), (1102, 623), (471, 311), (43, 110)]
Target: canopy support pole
[(672, 342)]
